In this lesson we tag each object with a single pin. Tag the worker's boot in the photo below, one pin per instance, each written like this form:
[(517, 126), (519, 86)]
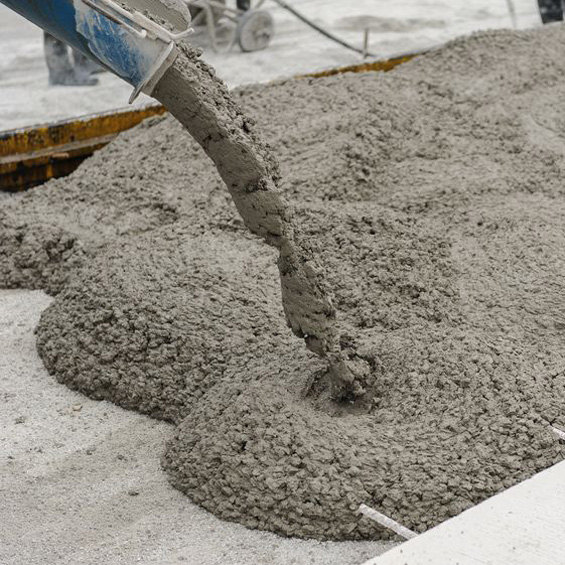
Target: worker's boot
[(551, 10), (61, 69)]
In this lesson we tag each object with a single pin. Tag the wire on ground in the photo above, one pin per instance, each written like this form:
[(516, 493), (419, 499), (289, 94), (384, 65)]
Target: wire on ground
[(321, 30)]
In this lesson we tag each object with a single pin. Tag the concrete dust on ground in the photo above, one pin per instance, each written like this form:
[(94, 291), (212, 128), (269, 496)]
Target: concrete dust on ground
[(80, 480)]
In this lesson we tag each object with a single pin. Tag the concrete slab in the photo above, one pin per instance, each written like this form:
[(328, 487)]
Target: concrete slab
[(524, 525)]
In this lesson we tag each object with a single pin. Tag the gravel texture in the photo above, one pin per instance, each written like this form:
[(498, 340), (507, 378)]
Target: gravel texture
[(432, 197), (81, 484)]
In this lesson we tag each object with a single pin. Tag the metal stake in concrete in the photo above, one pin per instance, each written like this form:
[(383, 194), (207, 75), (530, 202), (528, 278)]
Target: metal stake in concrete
[(386, 522), (512, 11), (559, 433), (366, 43)]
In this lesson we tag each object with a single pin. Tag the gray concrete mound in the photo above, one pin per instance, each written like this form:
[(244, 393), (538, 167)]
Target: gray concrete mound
[(433, 196)]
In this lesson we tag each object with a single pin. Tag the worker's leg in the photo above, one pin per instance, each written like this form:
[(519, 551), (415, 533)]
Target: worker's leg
[(85, 66), (551, 10), (61, 69), (57, 59)]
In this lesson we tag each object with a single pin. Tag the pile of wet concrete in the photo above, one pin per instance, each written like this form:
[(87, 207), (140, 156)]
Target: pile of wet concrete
[(434, 198)]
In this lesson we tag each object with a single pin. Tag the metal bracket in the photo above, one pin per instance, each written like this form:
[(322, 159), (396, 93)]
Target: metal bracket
[(146, 29), (110, 13)]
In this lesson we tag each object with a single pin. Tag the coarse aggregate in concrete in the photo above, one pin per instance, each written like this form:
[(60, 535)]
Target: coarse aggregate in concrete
[(81, 484), (432, 197)]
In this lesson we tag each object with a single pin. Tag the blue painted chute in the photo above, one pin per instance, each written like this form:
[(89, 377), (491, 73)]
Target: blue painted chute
[(91, 27)]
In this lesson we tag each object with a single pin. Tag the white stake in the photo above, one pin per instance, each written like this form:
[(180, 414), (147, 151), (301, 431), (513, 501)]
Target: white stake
[(512, 11), (387, 522), (559, 433), (366, 43)]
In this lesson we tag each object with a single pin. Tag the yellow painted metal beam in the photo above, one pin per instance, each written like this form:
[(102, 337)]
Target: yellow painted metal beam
[(33, 155), (374, 66)]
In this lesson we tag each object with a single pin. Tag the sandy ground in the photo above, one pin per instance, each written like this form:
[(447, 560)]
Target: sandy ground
[(80, 481), (396, 27)]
